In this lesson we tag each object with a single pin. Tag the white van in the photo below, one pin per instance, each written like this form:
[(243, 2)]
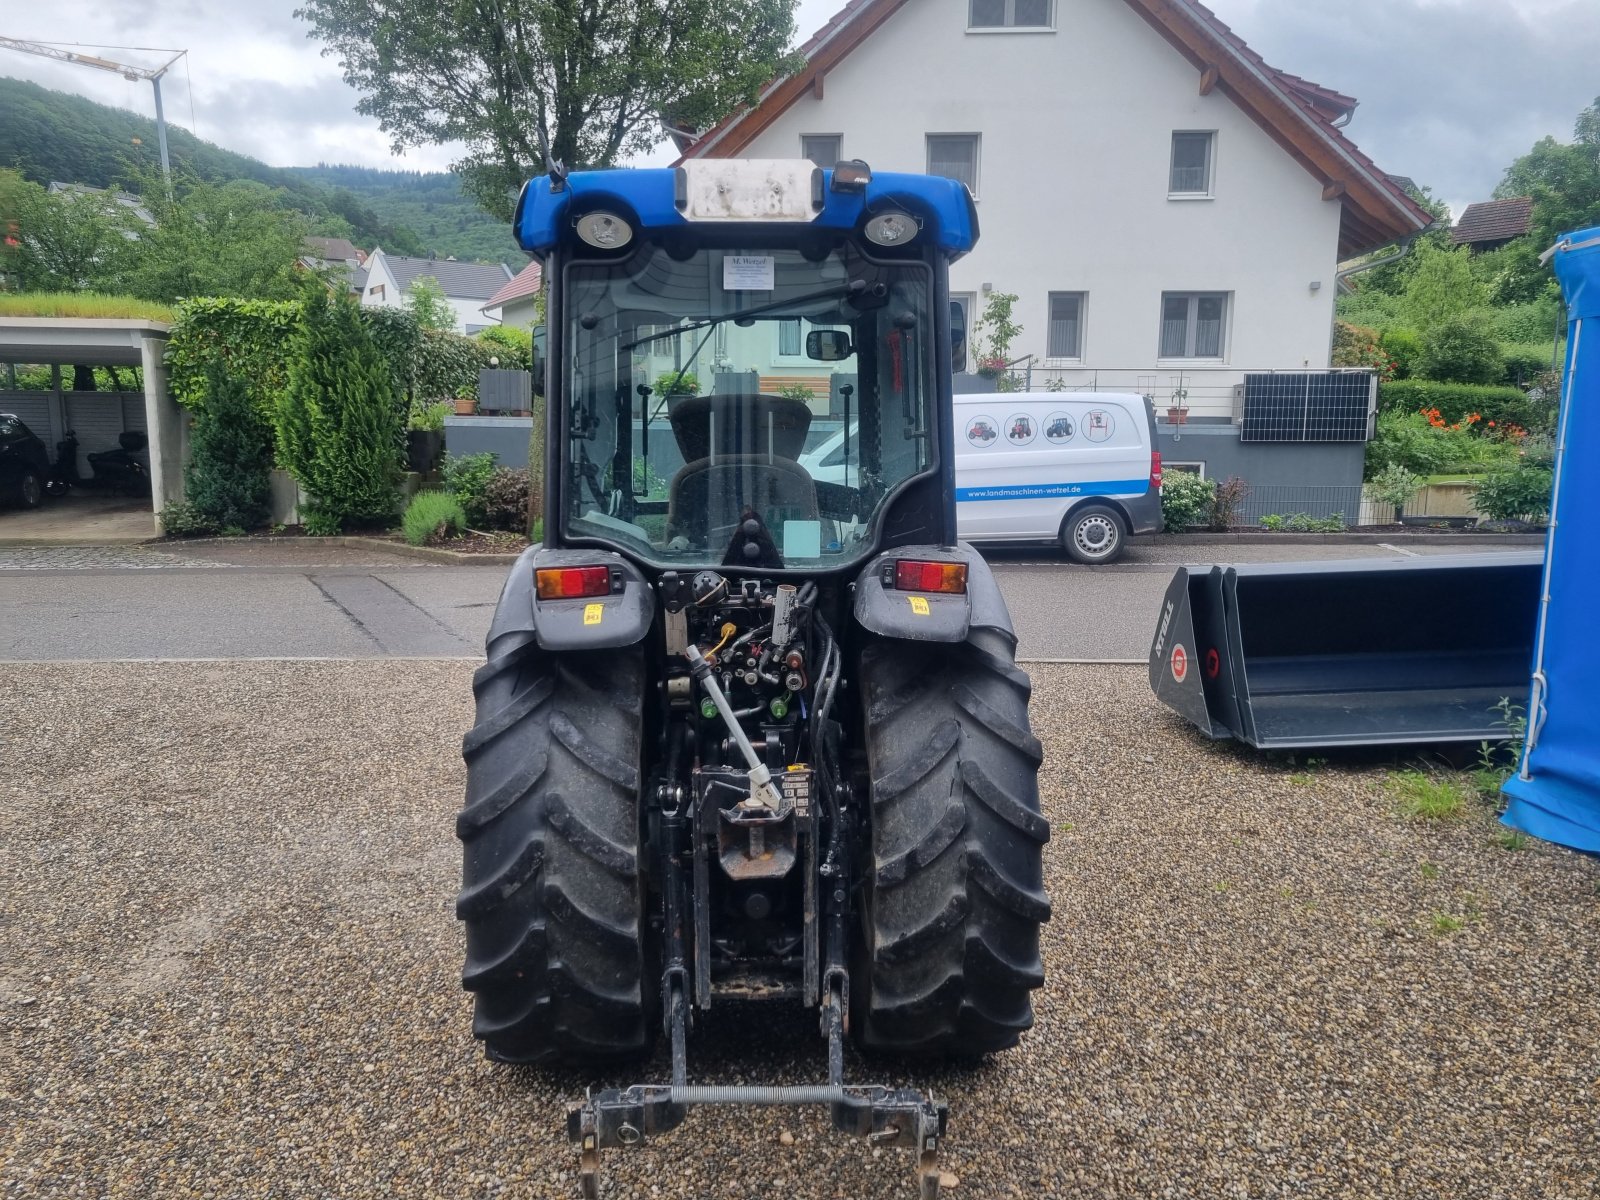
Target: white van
[(1078, 469)]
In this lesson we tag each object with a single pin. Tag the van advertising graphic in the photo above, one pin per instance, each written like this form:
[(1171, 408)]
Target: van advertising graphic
[(1058, 428), (1019, 429), (981, 431), (1098, 425)]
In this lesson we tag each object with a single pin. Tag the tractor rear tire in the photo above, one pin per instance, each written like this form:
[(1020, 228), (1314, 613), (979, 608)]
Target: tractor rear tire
[(954, 888), (554, 881)]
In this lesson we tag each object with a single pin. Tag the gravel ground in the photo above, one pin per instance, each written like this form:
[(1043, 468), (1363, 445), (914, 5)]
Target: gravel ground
[(228, 967)]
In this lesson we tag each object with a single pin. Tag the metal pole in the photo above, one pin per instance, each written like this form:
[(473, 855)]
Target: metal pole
[(161, 133)]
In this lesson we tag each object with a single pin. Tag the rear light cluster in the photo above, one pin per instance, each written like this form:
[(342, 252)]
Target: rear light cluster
[(1155, 468), (572, 583), (913, 575)]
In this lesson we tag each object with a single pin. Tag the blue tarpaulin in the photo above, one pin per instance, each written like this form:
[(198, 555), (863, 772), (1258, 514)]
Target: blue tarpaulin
[(1555, 793)]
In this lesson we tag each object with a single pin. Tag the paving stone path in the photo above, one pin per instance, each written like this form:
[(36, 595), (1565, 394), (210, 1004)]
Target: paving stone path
[(92, 558)]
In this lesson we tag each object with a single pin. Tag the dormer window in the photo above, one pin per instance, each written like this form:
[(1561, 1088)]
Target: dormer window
[(1011, 14)]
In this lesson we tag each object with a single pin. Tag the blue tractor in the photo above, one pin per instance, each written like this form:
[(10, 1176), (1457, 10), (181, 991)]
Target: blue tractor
[(743, 736)]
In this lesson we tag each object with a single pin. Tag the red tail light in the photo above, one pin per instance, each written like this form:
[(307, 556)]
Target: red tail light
[(1155, 468), (572, 583), (912, 575)]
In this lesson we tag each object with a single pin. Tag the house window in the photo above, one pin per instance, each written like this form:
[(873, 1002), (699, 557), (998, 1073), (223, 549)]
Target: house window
[(789, 338), (1066, 325), (1192, 324), (822, 148), (376, 290), (1191, 164), (955, 156), (1011, 14), (1194, 468)]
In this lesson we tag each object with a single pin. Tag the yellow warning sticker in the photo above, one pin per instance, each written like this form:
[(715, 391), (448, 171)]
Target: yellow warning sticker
[(919, 605), (592, 613)]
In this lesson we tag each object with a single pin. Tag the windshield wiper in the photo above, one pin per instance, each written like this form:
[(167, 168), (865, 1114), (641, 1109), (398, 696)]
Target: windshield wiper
[(854, 288)]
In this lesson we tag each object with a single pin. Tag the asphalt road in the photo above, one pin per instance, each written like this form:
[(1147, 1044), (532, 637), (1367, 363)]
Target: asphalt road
[(314, 601)]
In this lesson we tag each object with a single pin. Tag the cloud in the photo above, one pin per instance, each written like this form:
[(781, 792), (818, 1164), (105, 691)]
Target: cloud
[(1451, 90), (260, 86)]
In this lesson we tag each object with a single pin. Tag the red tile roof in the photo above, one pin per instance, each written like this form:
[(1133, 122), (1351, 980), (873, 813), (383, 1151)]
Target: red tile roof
[(525, 283), (1494, 221), (1323, 106)]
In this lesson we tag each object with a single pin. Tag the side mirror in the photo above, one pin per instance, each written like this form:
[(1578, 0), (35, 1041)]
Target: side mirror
[(958, 337), (828, 345)]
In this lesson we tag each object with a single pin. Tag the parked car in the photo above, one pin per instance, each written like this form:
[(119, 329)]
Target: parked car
[(24, 463), (1077, 469)]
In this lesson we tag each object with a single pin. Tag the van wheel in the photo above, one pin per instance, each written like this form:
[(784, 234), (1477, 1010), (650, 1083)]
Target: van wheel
[(1093, 534)]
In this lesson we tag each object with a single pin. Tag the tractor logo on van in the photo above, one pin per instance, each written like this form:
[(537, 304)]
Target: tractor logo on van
[(981, 432), (1058, 428), (1019, 429)]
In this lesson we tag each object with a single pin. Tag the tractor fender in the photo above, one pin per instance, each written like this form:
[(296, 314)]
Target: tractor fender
[(882, 609), (594, 623)]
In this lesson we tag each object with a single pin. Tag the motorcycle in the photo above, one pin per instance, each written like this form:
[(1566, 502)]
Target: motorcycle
[(125, 469), (64, 471)]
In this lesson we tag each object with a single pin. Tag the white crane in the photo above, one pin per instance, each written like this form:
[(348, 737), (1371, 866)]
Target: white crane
[(129, 72)]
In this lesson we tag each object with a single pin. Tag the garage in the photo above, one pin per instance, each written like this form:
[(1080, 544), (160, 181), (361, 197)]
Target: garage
[(98, 419)]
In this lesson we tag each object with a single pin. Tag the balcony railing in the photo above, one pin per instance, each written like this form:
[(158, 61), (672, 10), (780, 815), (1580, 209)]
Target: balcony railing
[(1201, 391)]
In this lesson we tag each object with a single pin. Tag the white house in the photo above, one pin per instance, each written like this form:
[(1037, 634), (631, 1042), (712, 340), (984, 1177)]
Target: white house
[(517, 301), (467, 286), (1170, 210)]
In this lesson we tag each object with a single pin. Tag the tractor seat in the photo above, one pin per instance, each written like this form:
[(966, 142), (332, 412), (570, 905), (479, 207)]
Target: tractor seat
[(708, 497), (727, 424)]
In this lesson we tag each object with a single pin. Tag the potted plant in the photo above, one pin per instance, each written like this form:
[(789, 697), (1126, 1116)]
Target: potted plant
[(425, 436), (1178, 410), (673, 386)]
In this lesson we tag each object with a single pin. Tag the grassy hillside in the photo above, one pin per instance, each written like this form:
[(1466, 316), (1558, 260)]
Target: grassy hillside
[(429, 203), (50, 135)]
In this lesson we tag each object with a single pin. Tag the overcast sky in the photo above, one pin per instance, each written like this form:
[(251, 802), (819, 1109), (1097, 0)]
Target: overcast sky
[(1451, 90)]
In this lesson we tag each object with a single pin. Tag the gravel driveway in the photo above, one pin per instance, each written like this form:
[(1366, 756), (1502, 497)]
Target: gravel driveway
[(228, 968)]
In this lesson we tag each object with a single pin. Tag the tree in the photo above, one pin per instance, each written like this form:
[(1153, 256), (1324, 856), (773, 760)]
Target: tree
[(338, 424), (1392, 279), (228, 480), (595, 78), (1460, 350), (426, 300), (1564, 180), (69, 241), (232, 239), (1442, 285)]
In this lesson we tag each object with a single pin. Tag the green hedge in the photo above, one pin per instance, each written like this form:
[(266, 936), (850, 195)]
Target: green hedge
[(246, 339), (251, 340), (1525, 363), (1455, 400), (447, 366)]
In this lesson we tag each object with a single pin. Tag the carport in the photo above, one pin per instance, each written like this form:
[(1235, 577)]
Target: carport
[(98, 418)]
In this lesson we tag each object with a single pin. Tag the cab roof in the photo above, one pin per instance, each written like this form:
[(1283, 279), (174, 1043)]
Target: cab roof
[(649, 199)]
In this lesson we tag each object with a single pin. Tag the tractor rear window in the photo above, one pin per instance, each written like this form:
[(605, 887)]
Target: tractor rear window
[(739, 386)]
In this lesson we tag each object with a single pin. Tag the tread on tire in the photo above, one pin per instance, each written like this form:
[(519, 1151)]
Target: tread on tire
[(553, 873), (948, 949)]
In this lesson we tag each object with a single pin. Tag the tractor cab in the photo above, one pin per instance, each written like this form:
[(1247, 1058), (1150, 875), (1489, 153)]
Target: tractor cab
[(712, 324)]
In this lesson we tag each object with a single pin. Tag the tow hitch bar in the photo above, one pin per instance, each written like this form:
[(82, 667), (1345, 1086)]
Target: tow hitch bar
[(618, 1118)]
